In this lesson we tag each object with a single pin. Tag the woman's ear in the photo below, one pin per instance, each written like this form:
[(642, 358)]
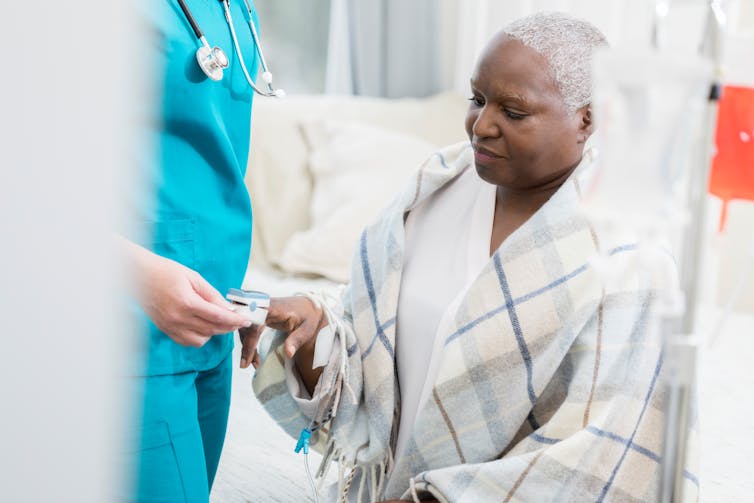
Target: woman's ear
[(586, 125)]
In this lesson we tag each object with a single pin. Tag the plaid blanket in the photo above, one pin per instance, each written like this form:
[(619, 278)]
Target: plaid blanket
[(550, 383)]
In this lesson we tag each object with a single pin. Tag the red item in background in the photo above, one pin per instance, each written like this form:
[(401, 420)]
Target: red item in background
[(732, 172)]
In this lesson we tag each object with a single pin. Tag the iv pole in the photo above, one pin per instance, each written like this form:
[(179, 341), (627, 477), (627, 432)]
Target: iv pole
[(681, 347)]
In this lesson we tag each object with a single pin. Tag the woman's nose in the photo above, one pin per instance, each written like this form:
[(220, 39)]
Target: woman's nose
[(485, 124)]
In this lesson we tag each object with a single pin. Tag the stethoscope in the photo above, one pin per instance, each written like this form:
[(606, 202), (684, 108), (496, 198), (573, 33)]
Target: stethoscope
[(213, 60)]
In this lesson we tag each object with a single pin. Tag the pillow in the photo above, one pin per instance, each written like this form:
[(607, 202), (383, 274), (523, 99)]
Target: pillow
[(357, 169), (278, 175)]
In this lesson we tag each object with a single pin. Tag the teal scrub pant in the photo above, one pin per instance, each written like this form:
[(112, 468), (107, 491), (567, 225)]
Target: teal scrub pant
[(183, 428)]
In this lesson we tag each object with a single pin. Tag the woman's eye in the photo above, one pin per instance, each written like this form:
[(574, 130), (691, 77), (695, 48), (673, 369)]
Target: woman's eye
[(476, 100), (513, 115)]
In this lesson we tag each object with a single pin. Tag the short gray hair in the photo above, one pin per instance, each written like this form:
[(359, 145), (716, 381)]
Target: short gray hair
[(567, 44)]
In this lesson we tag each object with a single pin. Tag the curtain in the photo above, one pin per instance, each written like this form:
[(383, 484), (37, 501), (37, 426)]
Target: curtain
[(384, 48)]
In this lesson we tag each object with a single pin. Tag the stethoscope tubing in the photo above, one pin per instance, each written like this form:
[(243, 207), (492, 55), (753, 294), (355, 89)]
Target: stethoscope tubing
[(270, 92), (256, 38)]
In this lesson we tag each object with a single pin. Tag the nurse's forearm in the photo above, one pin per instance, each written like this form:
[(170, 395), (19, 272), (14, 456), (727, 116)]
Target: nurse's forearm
[(132, 253)]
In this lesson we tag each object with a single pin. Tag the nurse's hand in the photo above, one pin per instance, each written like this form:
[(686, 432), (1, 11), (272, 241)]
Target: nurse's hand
[(180, 302), (302, 320)]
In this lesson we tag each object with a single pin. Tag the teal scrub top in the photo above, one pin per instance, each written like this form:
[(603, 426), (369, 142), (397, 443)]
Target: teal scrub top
[(195, 207)]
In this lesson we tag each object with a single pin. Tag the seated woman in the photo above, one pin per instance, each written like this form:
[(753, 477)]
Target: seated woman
[(476, 355)]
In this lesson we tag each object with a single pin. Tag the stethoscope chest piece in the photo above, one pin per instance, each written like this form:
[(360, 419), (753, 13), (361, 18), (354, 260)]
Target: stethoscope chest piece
[(212, 61)]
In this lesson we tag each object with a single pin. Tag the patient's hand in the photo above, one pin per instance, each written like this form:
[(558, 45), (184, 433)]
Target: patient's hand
[(302, 320)]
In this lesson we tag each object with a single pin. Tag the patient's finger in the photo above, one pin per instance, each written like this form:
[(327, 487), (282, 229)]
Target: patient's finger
[(288, 313), (281, 313), (249, 339), (303, 334)]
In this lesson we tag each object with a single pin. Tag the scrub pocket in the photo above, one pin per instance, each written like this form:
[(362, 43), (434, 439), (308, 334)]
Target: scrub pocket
[(174, 238), (159, 477)]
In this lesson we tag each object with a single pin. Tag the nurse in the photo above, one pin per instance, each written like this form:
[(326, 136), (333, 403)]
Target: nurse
[(192, 240)]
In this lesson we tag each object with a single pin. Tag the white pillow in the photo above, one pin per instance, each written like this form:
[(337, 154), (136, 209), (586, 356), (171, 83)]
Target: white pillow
[(278, 177), (357, 169)]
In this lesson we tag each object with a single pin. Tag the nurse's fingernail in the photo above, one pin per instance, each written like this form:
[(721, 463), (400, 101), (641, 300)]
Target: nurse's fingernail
[(243, 362)]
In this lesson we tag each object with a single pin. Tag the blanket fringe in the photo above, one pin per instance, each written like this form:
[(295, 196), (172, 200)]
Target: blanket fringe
[(412, 487), (362, 483), (347, 485), (373, 475), (329, 453)]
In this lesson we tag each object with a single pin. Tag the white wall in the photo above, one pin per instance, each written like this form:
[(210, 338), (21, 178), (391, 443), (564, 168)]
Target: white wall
[(62, 101), (626, 23)]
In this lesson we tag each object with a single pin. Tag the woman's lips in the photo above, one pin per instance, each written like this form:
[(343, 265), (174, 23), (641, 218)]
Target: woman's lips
[(483, 157)]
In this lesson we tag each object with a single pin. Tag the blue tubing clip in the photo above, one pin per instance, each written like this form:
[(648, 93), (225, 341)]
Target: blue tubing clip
[(303, 440)]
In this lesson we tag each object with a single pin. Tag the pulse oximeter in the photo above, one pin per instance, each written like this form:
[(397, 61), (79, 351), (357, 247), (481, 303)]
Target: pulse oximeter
[(252, 304)]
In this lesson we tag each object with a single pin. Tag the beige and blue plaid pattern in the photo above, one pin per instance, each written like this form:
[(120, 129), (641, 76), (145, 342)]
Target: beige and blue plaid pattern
[(550, 383)]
